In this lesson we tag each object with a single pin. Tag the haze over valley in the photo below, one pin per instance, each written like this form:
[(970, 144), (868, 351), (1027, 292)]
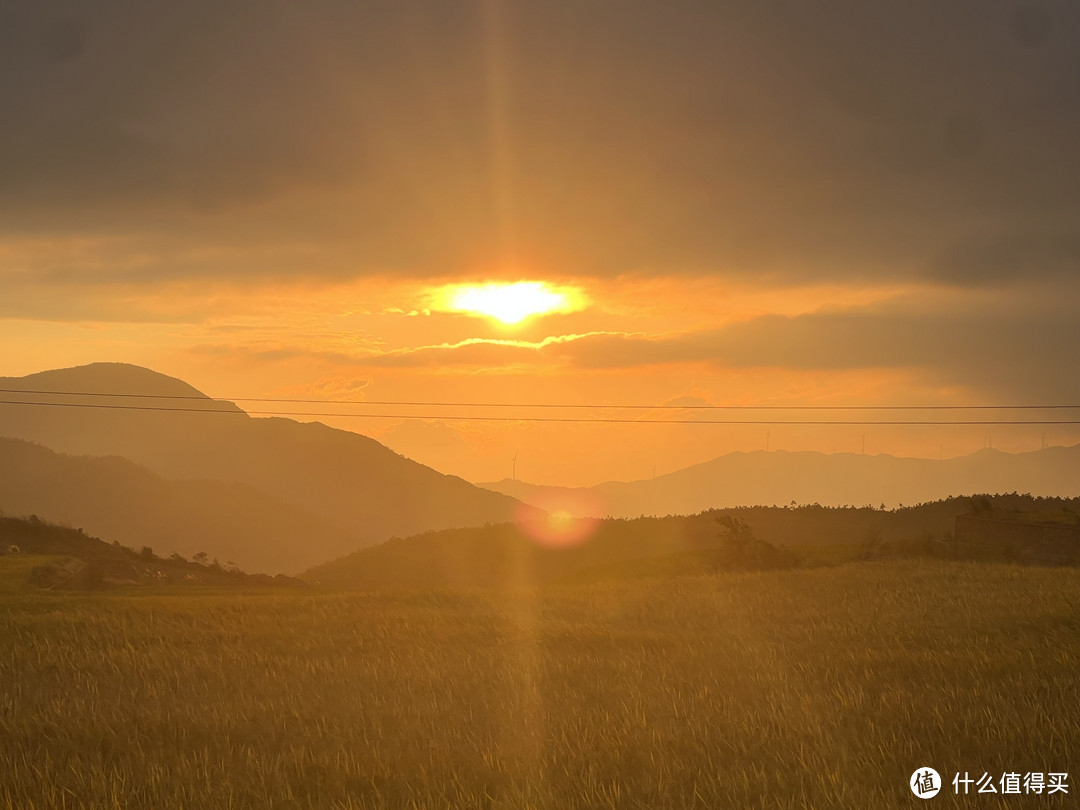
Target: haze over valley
[(275, 495)]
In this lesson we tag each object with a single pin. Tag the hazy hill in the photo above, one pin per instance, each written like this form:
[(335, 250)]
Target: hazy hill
[(116, 498), (34, 552), (351, 482), (505, 556), (840, 479)]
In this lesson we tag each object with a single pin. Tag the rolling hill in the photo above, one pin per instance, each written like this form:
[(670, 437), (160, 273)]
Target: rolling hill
[(36, 553), (507, 556), (347, 481), (842, 479)]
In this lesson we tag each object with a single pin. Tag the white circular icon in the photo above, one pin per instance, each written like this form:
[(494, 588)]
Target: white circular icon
[(925, 783)]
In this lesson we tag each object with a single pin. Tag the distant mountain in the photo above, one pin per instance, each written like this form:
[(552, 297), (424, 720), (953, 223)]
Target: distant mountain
[(840, 479), (348, 481), (117, 499)]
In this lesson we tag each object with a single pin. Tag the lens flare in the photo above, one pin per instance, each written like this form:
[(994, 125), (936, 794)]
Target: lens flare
[(571, 518)]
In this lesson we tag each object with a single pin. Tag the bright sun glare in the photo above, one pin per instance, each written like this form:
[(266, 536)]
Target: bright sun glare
[(509, 303)]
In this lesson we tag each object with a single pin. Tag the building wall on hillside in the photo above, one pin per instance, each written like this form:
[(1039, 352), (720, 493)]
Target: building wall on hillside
[(1041, 543)]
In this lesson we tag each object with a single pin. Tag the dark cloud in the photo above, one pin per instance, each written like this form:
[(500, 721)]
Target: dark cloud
[(1031, 25), (1010, 257), (64, 40), (798, 141), (1012, 348)]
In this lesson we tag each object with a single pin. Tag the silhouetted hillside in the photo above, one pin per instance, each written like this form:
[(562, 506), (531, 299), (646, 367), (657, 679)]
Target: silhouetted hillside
[(507, 556), (840, 479), (50, 556), (115, 498), (351, 482), (503, 556)]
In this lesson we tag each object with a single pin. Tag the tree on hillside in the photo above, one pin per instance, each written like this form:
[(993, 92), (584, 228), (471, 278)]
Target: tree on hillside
[(741, 549)]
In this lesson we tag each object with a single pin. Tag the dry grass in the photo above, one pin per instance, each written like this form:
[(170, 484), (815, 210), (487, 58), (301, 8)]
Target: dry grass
[(811, 688)]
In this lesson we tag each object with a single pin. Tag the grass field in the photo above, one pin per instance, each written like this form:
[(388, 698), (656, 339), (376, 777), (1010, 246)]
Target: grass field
[(807, 688)]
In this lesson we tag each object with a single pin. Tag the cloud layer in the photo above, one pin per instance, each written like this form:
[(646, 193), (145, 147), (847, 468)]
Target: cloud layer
[(795, 141), (1005, 347)]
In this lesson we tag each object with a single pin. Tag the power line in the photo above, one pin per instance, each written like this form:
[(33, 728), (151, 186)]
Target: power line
[(592, 405), (102, 406)]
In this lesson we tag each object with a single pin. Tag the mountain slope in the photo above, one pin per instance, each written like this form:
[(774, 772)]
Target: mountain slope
[(807, 477), (114, 498), (33, 552), (351, 482)]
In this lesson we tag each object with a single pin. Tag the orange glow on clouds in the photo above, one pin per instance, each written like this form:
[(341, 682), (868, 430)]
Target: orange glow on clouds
[(509, 303)]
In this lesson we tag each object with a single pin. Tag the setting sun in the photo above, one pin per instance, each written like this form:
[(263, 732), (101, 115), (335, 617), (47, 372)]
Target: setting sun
[(509, 303)]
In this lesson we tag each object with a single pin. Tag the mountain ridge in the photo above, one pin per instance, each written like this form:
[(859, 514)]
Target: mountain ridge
[(780, 477), (352, 482)]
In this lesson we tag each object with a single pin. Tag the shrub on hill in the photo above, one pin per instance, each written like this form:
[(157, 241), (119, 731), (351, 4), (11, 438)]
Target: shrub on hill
[(742, 550)]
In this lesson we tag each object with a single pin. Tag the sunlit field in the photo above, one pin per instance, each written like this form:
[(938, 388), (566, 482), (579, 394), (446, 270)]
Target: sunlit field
[(807, 688)]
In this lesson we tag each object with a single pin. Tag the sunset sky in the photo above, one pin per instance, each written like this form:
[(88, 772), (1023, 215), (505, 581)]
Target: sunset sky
[(726, 203)]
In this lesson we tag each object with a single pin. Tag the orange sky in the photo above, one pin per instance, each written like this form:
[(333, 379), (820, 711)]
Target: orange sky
[(372, 340), (757, 204)]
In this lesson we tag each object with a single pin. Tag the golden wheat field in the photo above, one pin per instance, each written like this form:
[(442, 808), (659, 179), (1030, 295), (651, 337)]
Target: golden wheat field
[(798, 689)]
